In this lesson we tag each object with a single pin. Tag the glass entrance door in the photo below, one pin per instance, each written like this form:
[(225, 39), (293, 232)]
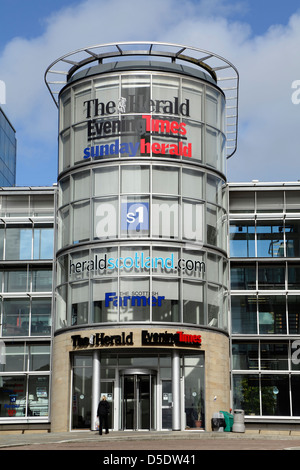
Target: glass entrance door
[(138, 400)]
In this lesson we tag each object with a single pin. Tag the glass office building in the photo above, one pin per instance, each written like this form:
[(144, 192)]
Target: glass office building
[(265, 270), (8, 147), (171, 291), (142, 275), (263, 319), (26, 260)]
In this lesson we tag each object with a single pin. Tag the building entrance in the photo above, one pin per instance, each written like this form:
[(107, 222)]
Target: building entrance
[(138, 399)]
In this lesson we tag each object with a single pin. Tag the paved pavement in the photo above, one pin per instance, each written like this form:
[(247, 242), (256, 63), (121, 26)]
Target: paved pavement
[(141, 444)]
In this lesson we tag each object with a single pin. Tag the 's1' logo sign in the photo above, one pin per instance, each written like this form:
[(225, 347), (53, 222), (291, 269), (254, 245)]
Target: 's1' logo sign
[(135, 216)]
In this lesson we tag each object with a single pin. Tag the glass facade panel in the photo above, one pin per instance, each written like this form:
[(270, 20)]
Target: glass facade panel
[(16, 280), (43, 243), (192, 184), (194, 395), (274, 356), (106, 181), (18, 243), (13, 396), (135, 179), (41, 280), (81, 222), (246, 394), (168, 310), (293, 276), (41, 316), (275, 395), (2, 232), (244, 356), (105, 301), (135, 299), (243, 277), (242, 240), (243, 314), (270, 241), (165, 216), (81, 181), (272, 314), (81, 393), (16, 356), (193, 303), (295, 387), (106, 218), (292, 232), (271, 276), (38, 396), (294, 314), (24, 396), (15, 317), (79, 298), (165, 180), (39, 357)]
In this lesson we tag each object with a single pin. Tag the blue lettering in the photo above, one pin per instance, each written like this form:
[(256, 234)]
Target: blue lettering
[(124, 148), (110, 263), (133, 149), (109, 297), (86, 153), (136, 300), (113, 149)]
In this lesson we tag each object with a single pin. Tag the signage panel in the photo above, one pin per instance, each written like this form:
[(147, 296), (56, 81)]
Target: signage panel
[(138, 338), (168, 131)]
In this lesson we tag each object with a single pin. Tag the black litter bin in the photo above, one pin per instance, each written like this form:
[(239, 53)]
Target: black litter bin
[(218, 422)]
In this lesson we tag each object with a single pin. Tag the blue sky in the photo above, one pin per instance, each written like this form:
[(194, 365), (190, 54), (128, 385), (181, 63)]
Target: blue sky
[(261, 38)]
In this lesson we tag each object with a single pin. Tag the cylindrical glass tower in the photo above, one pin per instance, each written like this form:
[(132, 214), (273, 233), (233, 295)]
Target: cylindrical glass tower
[(142, 271)]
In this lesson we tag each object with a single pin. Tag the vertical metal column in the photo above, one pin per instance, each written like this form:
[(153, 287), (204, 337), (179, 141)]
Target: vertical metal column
[(176, 391), (95, 388)]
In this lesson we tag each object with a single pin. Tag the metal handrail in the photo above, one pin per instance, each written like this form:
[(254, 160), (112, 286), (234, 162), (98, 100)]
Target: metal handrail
[(216, 66)]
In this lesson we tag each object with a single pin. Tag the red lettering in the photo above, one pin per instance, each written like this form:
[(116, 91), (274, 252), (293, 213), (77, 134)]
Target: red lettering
[(159, 125), (185, 338), (157, 148)]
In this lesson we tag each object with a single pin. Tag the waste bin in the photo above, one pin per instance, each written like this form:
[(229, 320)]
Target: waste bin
[(238, 421), (228, 420), (218, 422)]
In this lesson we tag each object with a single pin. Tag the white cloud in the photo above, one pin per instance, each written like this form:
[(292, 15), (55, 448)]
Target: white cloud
[(269, 141)]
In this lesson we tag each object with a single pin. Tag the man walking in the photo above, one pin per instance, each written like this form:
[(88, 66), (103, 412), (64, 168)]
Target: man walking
[(102, 413)]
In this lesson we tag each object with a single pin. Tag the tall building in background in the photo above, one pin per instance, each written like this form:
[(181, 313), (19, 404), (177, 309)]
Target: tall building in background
[(8, 149)]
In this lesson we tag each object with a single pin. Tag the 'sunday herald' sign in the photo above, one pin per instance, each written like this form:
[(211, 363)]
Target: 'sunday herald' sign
[(101, 125)]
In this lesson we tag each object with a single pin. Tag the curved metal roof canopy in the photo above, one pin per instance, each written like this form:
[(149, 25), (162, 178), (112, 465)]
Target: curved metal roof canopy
[(221, 70)]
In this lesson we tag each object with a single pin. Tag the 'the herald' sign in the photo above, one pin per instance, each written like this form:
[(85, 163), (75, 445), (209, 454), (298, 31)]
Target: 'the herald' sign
[(101, 126)]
